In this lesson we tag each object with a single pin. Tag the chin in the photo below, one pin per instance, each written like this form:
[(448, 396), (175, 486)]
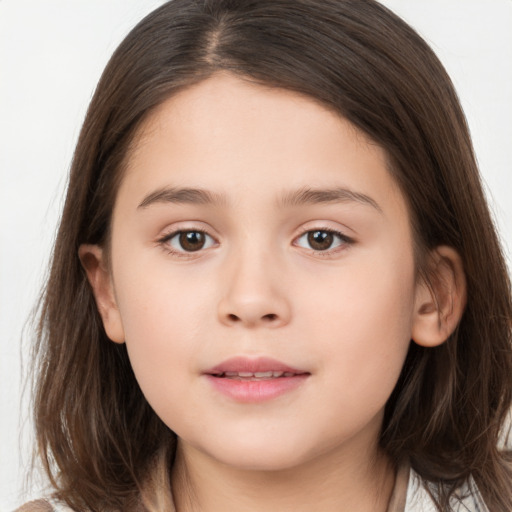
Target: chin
[(264, 456)]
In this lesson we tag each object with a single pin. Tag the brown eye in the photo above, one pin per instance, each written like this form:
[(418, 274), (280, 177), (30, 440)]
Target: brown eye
[(192, 240), (188, 241), (320, 240)]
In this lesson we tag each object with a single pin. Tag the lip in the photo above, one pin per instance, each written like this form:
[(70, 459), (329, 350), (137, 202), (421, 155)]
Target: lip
[(248, 364), (258, 390)]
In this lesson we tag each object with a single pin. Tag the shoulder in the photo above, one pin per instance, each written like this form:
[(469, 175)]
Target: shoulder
[(466, 499), (43, 506), (36, 506)]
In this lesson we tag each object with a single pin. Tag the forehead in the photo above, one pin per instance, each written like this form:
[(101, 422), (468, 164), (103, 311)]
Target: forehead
[(229, 135)]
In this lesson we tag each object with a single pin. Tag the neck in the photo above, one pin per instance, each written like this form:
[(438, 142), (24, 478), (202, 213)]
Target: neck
[(331, 482)]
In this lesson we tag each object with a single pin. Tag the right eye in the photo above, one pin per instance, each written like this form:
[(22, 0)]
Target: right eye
[(188, 241)]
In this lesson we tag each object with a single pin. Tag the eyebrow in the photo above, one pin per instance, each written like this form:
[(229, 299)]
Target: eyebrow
[(308, 195), (182, 196), (298, 197)]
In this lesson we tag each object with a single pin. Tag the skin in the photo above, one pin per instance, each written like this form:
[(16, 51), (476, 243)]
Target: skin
[(346, 314)]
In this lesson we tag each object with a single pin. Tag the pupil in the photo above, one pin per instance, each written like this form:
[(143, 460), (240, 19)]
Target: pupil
[(320, 240), (192, 240)]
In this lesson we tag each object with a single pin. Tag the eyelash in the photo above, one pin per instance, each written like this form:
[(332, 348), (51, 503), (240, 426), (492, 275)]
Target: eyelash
[(166, 239), (343, 239)]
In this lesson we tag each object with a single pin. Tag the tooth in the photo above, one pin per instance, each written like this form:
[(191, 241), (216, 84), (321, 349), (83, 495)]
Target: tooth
[(245, 374), (231, 374), (288, 374), (265, 375), (277, 374)]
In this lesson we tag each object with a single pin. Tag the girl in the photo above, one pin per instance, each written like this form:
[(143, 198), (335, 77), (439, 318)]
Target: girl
[(276, 283)]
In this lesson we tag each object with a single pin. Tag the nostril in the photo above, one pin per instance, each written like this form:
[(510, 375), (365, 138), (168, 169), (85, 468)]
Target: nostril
[(269, 317)]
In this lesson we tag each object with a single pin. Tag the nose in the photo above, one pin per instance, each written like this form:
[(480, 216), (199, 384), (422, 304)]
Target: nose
[(254, 294)]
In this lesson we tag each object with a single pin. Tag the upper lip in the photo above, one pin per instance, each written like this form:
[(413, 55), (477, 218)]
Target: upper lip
[(253, 365)]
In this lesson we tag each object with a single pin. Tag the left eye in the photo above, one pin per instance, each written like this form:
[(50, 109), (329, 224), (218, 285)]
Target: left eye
[(189, 241), (322, 240)]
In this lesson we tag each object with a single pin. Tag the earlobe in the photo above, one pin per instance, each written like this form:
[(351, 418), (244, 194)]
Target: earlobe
[(440, 303), (93, 260)]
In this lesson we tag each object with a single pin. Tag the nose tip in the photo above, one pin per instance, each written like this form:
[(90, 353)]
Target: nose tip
[(254, 304)]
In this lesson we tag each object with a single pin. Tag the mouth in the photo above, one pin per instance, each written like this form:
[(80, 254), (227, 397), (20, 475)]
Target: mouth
[(249, 380), (256, 376)]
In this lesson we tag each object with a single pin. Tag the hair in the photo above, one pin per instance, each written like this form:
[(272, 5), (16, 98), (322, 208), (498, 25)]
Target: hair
[(97, 436)]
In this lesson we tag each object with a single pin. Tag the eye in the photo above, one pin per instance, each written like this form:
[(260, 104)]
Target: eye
[(188, 241), (322, 240)]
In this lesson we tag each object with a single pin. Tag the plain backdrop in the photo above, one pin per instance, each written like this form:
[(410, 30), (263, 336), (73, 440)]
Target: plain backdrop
[(51, 56)]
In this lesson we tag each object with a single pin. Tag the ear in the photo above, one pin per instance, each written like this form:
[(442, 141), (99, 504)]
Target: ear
[(93, 260), (440, 303)]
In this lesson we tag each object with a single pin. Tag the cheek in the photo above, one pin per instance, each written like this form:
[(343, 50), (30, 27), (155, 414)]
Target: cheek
[(363, 322), (162, 319), (157, 301)]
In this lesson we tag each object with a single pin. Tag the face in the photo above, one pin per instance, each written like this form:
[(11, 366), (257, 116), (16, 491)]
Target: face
[(262, 275)]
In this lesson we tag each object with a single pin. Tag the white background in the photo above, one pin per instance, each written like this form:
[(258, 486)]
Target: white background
[(51, 56)]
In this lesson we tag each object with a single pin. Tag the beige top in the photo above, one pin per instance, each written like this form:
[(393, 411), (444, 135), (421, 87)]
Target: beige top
[(398, 498), (409, 495)]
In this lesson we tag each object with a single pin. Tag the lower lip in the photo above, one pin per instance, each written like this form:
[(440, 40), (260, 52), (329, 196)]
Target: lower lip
[(252, 391)]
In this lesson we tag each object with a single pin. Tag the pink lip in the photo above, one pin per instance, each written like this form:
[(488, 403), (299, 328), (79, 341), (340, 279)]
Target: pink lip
[(251, 391), (247, 364)]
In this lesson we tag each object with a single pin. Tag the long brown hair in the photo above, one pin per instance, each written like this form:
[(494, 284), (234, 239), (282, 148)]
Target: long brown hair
[(97, 435)]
